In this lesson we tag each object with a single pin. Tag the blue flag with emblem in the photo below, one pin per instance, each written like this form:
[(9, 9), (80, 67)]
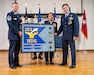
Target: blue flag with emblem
[(39, 16), (54, 13)]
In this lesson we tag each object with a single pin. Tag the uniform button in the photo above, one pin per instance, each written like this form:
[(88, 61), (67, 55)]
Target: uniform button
[(65, 23), (65, 29), (65, 26)]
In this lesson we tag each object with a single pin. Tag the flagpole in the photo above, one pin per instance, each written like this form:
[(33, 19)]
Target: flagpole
[(85, 33), (85, 52), (56, 54), (54, 11), (15, 0), (26, 17), (39, 16), (39, 6), (81, 6)]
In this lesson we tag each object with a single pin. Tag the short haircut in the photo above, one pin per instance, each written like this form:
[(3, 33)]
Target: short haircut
[(50, 13), (14, 3), (64, 5)]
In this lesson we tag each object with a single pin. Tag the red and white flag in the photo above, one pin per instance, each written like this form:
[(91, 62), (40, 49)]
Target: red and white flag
[(84, 26)]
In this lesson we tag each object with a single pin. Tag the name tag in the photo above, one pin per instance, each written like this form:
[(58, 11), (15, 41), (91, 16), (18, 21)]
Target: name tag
[(14, 18)]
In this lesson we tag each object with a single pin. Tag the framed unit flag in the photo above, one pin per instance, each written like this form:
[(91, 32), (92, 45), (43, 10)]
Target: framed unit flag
[(38, 38)]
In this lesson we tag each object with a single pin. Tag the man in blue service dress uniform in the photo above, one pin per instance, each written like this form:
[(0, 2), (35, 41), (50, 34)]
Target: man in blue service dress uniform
[(70, 28), (14, 34)]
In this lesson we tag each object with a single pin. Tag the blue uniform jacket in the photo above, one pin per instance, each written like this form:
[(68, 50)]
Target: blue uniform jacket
[(13, 21), (48, 22), (69, 26)]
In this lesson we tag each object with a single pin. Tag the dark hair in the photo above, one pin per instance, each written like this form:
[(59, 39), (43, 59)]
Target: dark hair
[(14, 3), (50, 13), (64, 5)]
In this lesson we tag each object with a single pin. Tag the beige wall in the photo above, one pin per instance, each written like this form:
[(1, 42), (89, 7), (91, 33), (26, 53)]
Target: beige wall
[(5, 6)]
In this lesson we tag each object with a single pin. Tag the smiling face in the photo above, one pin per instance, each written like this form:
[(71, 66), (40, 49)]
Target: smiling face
[(65, 8), (50, 17)]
